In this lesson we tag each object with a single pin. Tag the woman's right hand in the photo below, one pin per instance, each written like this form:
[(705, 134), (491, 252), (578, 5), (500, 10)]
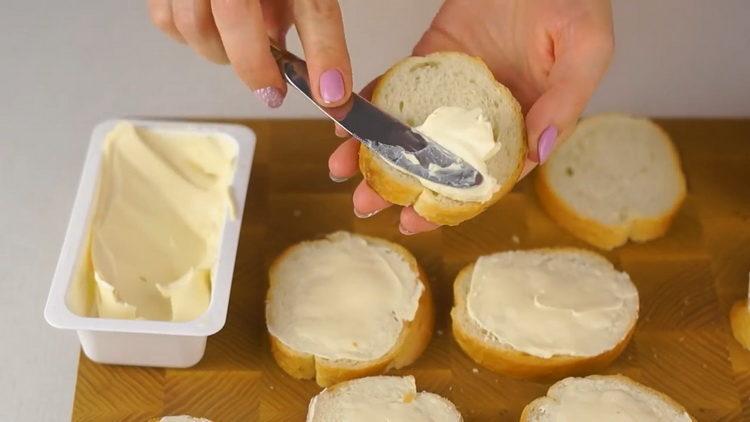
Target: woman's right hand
[(238, 31)]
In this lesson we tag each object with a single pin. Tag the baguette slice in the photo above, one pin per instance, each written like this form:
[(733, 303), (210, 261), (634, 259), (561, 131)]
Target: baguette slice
[(617, 177), (380, 398), (415, 87), (413, 339), (609, 397), (500, 357), (739, 318)]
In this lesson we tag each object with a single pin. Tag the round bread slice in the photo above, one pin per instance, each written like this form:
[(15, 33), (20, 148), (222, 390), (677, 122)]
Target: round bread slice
[(739, 319), (543, 314), (288, 342), (415, 87), (616, 177), (380, 398), (604, 398)]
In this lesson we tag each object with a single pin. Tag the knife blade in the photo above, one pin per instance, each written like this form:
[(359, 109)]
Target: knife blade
[(394, 141)]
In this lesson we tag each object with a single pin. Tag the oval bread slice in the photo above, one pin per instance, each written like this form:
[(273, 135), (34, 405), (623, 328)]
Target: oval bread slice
[(487, 350), (415, 87), (380, 398), (616, 177), (607, 401), (411, 342)]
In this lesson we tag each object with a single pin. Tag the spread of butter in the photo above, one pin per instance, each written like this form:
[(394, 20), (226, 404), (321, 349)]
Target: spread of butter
[(581, 402), (392, 399), (551, 303), (468, 134), (161, 206), (341, 297)]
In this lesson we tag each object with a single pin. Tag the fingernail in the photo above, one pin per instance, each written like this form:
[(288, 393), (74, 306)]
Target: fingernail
[(270, 95), (337, 179), (331, 86), (404, 231), (546, 143), (365, 215)]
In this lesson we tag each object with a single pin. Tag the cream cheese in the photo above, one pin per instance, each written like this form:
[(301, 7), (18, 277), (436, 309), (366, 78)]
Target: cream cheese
[(162, 202), (468, 134), (608, 403), (342, 297), (551, 303), (394, 399)]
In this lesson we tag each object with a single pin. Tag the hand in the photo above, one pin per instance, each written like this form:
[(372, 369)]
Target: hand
[(551, 54), (238, 31)]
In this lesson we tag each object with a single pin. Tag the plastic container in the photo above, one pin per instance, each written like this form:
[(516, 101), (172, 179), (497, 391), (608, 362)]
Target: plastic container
[(142, 342)]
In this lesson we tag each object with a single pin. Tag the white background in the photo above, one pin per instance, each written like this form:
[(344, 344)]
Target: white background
[(68, 64)]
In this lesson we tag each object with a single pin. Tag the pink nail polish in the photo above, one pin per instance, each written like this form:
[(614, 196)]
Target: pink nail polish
[(331, 86), (337, 179), (546, 143), (404, 231), (365, 215), (270, 95)]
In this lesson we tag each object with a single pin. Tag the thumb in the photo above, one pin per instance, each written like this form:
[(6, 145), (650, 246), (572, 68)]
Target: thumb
[(572, 80)]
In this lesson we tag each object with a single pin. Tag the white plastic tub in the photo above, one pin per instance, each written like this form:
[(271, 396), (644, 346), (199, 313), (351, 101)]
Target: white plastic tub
[(140, 342)]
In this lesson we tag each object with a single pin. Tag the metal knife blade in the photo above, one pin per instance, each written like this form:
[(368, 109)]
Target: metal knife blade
[(384, 134)]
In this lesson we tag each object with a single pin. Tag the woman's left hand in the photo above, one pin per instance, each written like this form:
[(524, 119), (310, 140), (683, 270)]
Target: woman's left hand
[(551, 54)]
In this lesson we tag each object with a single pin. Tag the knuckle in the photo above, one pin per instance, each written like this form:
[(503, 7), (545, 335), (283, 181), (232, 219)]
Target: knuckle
[(322, 9)]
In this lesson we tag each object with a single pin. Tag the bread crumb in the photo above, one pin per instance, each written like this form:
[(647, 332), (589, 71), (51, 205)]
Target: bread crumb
[(270, 387), (475, 370), (439, 332), (515, 239), (297, 213), (681, 339)]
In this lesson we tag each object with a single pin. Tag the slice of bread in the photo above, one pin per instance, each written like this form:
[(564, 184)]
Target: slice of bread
[(739, 318), (415, 87), (380, 398), (414, 336), (616, 177), (603, 398), (178, 418), (532, 268)]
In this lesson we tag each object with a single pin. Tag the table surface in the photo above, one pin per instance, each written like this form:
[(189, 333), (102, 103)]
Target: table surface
[(687, 281)]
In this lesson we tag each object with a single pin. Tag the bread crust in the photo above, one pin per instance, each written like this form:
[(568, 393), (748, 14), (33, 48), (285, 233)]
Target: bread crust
[(527, 413), (405, 190), (604, 236), (413, 339), (516, 364), (739, 319)]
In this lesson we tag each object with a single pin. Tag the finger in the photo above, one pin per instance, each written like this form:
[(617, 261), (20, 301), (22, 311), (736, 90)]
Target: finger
[(194, 20), (367, 202), (342, 164), (321, 31), (245, 38), (340, 131), (581, 62), (160, 12), (528, 165), (413, 223)]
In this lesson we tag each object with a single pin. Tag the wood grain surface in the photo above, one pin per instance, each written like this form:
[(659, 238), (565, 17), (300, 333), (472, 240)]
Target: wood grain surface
[(687, 281)]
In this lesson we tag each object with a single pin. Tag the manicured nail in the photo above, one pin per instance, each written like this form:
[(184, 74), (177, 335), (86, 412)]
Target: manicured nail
[(270, 95), (337, 179), (365, 215), (404, 231), (546, 143), (331, 86)]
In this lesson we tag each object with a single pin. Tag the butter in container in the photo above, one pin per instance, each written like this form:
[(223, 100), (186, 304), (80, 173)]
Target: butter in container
[(146, 266)]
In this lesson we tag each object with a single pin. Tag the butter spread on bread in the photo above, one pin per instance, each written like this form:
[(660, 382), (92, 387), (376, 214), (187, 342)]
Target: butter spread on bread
[(342, 298), (380, 398)]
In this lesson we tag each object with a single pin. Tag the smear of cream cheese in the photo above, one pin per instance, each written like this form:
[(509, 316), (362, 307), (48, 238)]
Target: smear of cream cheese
[(467, 134), (162, 202)]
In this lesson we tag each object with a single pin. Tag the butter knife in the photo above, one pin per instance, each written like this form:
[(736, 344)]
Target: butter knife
[(392, 140)]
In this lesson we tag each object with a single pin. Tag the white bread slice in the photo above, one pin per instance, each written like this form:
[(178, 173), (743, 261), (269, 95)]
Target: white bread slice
[(413, 339), (609, 398), (380, 398), (616, 177), (499, 356), (415, 87)]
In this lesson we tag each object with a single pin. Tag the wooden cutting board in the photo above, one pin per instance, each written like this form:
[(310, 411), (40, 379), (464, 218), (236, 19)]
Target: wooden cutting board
[(687, 282)]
